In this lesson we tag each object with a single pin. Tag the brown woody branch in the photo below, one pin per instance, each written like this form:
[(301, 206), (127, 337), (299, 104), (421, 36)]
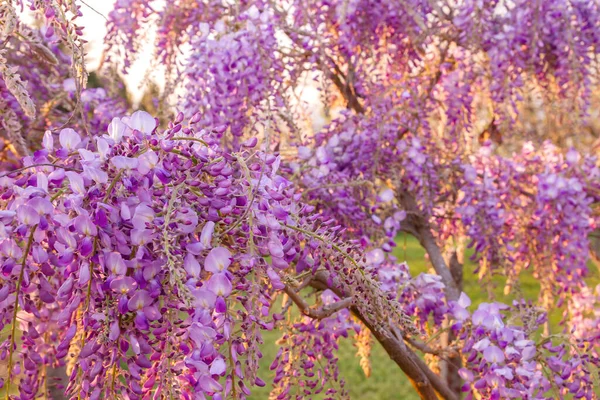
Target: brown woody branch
[(317, 313), (427, 349), (347, 89)]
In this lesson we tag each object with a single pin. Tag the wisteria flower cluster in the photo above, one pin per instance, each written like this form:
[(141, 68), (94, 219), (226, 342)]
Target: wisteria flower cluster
[(230, 77), (504, 361)]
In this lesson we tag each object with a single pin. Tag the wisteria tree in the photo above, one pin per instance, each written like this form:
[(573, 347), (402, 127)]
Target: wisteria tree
[(142, 257)]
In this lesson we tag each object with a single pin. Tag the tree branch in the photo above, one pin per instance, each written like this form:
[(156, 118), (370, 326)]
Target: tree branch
[(317, 313), (440, 386), (346, 91), (426, 349)]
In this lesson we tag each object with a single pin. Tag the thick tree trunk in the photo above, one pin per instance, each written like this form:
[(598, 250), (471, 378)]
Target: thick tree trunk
[(449, 368), (450, 267), (594, 238)]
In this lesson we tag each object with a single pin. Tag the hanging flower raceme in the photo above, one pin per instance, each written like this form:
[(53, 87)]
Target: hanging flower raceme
[(306, 364), (125, 28), (421, 296), (233, 73), (505, 360)]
